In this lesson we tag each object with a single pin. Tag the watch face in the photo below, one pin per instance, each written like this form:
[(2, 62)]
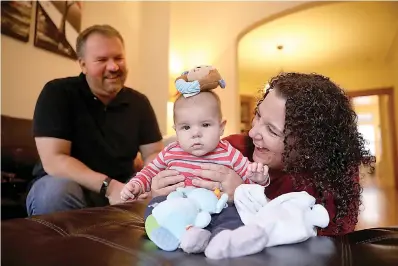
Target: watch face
[(106, 182), (104, 186)]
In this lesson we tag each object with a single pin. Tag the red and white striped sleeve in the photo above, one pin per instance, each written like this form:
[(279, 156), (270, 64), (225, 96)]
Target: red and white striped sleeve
[(239, 163), (145, 176)]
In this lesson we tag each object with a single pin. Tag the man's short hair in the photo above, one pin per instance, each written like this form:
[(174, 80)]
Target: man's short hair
[(105, 30)]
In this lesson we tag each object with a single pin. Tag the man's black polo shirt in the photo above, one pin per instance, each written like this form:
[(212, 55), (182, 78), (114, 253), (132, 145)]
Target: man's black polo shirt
[(104, 138)]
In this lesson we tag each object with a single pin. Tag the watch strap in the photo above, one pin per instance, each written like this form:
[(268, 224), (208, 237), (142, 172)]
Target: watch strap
[(105, 185)]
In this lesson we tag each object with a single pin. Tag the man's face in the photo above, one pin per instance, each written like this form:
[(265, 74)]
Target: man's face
[(104, 64)]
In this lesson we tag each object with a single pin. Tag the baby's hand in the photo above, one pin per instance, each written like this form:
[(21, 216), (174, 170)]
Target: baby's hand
[(258, 173), (130, 191)]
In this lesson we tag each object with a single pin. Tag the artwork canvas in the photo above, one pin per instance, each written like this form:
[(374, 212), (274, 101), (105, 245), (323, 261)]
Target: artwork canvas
[(245, 112), (16, 18), (247, 106), (58, 24)]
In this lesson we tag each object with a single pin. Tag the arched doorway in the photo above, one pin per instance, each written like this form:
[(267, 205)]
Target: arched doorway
[(353, 43)]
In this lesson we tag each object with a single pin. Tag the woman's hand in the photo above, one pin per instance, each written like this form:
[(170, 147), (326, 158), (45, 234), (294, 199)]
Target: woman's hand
[(166, 182), (222, 177)]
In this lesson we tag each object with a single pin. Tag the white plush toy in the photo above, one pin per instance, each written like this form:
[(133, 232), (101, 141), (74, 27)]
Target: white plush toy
[(287, 219)]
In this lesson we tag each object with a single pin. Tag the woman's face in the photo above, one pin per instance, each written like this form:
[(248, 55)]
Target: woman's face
[(267, 130)]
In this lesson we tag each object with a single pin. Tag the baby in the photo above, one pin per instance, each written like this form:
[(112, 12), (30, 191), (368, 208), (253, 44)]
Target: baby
[(198, 124)]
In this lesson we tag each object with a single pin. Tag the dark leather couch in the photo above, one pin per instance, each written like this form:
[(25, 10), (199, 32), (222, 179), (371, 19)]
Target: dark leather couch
[(18, 157), (115, 235)]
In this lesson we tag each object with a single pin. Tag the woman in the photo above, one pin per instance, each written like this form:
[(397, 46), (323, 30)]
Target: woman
[(305, 130)]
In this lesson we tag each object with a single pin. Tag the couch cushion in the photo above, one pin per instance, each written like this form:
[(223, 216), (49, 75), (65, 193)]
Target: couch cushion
[(18, 148)]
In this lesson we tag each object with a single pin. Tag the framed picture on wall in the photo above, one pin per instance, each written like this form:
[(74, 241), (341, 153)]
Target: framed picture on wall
[(58, 24), (245, 111), (16, 17), (247, 106)]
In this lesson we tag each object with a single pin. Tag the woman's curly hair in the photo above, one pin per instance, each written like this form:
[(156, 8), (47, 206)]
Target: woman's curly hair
[(322, 142)]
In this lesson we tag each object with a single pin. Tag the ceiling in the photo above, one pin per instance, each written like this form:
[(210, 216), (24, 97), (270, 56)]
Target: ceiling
[(330, 35)]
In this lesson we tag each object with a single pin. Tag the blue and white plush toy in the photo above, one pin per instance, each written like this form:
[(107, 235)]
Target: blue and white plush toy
[(184, 208)]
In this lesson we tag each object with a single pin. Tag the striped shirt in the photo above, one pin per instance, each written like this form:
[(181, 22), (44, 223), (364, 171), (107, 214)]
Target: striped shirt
[(173, 157)]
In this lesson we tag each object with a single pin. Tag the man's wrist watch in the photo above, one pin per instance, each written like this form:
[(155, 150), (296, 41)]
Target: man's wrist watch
[(105, 185)]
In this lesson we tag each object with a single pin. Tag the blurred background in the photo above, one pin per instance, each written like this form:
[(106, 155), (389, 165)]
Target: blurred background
[(354, 43)]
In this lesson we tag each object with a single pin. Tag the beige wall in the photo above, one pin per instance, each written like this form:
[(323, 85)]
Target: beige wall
[(215, 42), (385, 165), (155, 32), (373, 77), (153, 59), (359, 78), (25, 69), (163, 39), (394, 74), (147, 28)]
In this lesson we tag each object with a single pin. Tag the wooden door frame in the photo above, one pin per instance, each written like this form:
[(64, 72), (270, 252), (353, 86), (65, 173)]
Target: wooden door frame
[(389, 91)]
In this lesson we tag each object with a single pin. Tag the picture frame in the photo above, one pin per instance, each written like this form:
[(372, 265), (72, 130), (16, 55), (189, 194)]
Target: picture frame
[(58, 23), (247, 106), (16, 19)]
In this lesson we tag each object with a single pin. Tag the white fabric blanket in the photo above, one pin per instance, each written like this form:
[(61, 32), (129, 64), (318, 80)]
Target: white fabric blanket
[(287, 219)]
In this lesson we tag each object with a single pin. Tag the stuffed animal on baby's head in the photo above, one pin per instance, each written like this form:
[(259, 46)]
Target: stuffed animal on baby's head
[(200, 78)]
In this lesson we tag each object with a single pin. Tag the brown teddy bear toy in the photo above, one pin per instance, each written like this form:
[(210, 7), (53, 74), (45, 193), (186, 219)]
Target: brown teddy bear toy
[(200, 78)]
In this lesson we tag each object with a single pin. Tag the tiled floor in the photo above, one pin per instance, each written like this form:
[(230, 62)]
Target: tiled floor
[(379, 206)]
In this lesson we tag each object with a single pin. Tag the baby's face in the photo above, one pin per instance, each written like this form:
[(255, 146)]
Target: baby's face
[(198, 127)]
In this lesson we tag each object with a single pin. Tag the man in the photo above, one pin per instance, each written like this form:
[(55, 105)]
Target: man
[(88, 129)]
